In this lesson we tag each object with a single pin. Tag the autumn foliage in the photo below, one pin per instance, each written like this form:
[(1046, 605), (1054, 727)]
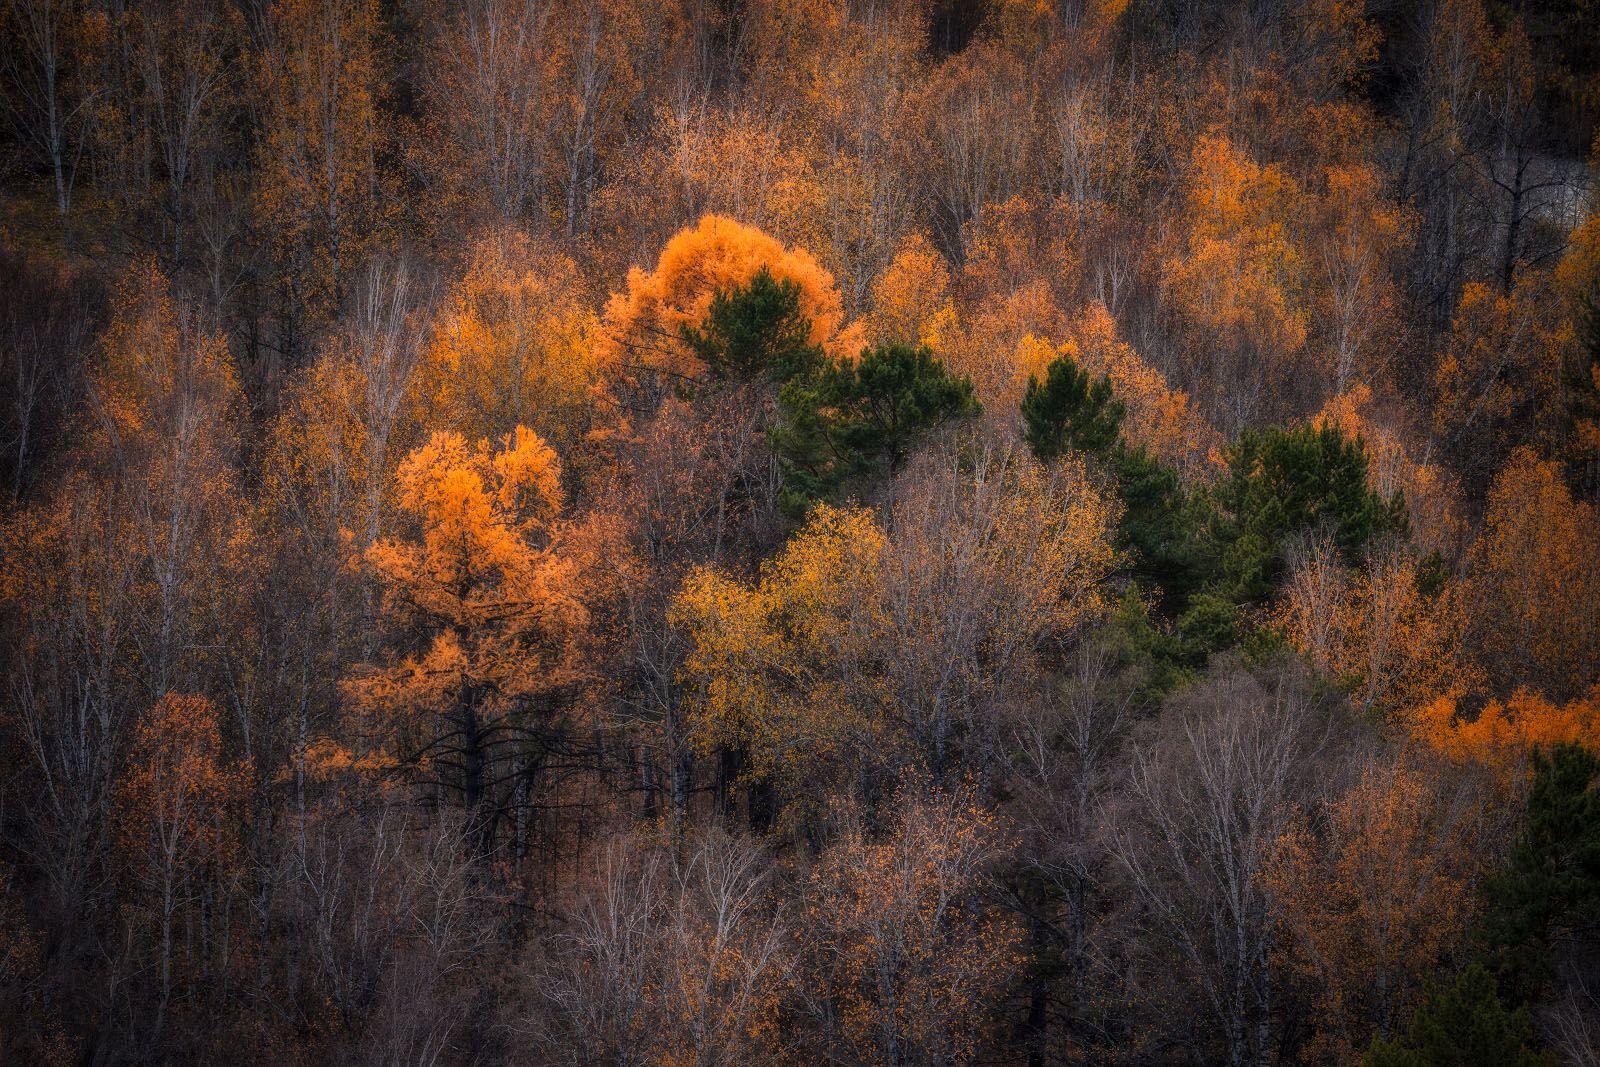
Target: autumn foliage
[(706, 532)]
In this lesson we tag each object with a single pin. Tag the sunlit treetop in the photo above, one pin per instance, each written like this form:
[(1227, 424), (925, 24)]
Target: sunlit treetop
[(643, 324)]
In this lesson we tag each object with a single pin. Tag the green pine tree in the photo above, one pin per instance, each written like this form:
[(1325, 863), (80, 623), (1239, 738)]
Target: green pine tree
[(1283, 482), (1070, 411), (755, 331), (1549, 893), (1462, 1025), (847, 422)]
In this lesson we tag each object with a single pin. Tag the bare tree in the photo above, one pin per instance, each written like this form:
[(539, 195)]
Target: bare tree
[(1209, 791)]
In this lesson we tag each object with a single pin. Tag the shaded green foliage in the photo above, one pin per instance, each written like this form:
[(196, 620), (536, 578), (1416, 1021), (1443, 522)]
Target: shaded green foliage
[(1463, 1024), (851, 421), (1070, 412), (1547, 899), (755, 331), (1282, 483)]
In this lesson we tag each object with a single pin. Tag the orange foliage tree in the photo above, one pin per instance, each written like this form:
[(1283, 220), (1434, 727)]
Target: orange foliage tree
[(177, 809), (1374, 893), (1240, 278), (320, 80), (1374, 628), (1534, 589), (491, 587), (1504, 733), (643, 323), (514, 345), (902, 958), (1498, 378)]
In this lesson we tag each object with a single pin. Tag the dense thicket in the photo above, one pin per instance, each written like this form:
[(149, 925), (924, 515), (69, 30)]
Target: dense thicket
[(770, 531)]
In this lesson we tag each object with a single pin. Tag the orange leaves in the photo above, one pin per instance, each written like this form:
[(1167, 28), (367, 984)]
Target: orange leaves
[(175, 801), (486, 517), (160, 375), (1498, 375), (1384, 895), (1393, 467), (1504, 733), (900, 938), (1241, 269), (1358, 232), (643, 322), (1373, 629), (489, 576), (1535, 587)]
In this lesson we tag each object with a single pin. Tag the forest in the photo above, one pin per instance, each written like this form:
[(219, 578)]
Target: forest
[(617, 533)]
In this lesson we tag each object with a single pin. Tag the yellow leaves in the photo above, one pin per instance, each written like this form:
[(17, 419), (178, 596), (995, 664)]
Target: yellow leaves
[(642, 324), (762, 656), (514, 344), (867, 642), (911, 301), (1241, 270)]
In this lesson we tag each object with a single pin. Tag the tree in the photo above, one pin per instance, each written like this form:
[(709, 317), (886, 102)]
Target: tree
[(1544, 908), (1239, 278), (1498, 377), (320, 78), (1374, 891), (644, 324), (1211, 787), (1157, 417), (490, 592), (1380, 630), (1159, 530), (859, 653), (1463, 1024), (1282, 483), (47, 96), (677, 954), (1534, 590), (902, 959), (755, 331), (169, 98), (853, 420), (1357, 235), (1069, 411), (1504, 735), (514, 344), (488, 89), (177, 820)]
